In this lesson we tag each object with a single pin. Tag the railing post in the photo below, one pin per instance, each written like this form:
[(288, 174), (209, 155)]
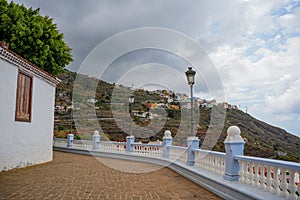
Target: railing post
[(193, 143), (96, 140), (167, 141), (129, 143), (234, 145), (70, 140)]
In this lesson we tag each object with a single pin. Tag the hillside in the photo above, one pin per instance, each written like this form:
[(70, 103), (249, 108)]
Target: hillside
[(262, 139)]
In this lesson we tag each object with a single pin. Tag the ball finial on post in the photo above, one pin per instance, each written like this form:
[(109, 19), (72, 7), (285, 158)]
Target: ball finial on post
[(234, 134), (234, 146)]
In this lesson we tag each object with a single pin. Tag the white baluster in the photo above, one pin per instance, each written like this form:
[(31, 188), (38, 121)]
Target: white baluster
[(276, 181), (212, 162), (208, 161), (269, 179), (251, 173), (297, 180), (200, 159), (220, 165), (217, 164), (261, 177), (292, 186), (284, 184), (248, 172), (204, 158), (256, 177), (264, 168), (245, 171), (242, 171)]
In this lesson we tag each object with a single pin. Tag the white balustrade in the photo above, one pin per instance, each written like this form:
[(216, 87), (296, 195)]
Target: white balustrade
[(112, 146), (178, 153), (82, 144), (87, 144), (148, 149), (275, 176), (210, 160), (60, 142)]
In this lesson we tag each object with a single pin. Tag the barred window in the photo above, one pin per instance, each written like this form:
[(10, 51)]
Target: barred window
[(24, 97)]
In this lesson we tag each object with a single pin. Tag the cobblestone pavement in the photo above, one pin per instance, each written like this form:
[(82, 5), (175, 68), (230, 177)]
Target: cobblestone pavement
[(73, 176)]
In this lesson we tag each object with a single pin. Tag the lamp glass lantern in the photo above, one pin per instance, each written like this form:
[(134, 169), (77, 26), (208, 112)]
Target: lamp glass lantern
[(131, 99), (190, 75)]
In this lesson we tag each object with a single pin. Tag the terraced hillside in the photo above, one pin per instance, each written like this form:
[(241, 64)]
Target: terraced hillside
[(262, 139)]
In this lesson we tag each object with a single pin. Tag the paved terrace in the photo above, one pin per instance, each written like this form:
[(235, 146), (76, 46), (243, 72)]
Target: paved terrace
[(75, 176)]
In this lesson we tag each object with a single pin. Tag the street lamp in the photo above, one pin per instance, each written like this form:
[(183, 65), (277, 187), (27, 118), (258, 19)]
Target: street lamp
[(71, 116), (190, 75), (131, 101)]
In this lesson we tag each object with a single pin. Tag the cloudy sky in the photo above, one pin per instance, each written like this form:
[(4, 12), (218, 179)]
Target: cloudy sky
[(254, 46)]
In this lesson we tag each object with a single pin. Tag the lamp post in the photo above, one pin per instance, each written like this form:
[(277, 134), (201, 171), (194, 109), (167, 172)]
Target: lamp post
[(192, 141), (131, 101), (130, 138), (71, 135), (190, 75), (71, 116)]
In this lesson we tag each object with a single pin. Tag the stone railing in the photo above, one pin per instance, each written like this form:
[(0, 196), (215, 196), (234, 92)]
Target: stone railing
[(178, 153), (79, 144), (59, 142), (280, 179), (148, 149), (210, 160), (112, 146), (82, 144)]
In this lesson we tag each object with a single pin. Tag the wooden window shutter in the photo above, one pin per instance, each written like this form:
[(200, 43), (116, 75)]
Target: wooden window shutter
[(24, 98)]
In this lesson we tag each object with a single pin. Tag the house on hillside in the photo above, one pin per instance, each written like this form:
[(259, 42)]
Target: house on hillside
[(27, 96)]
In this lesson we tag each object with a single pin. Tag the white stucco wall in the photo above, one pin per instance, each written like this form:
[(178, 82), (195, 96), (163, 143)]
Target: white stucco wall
[(24, 143)]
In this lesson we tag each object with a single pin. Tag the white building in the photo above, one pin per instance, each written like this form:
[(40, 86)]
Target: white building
[(27, 96)]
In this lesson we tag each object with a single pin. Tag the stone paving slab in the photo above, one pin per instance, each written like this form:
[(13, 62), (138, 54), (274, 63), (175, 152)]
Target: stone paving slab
[(74, 176)]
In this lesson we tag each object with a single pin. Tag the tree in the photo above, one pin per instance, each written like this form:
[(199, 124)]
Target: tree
[(34, 37)]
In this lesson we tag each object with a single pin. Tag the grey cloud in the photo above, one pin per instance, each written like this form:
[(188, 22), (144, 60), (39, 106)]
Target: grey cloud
[(87, 23)]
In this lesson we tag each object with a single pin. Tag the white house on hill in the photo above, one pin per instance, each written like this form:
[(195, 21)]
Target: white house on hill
[(27, 96)]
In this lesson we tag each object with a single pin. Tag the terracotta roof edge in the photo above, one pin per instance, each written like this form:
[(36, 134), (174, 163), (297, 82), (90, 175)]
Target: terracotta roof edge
[(22, 63)]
